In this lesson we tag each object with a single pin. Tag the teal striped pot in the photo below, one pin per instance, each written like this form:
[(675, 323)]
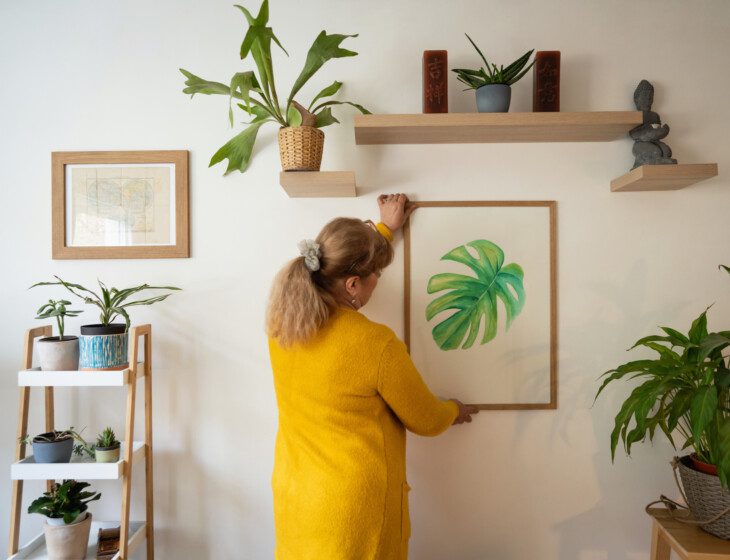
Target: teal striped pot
[(103, 347)]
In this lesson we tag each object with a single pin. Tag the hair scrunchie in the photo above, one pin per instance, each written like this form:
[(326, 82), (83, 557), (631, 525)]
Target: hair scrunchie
[(311, 253)]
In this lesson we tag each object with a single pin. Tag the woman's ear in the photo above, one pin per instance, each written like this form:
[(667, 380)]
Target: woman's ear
[(352, 284)]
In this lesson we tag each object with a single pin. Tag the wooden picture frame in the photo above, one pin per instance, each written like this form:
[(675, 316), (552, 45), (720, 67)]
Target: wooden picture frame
[(171, 169), (553, 314)]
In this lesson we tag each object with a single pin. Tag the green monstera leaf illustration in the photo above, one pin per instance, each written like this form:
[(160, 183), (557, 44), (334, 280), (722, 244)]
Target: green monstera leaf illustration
[(475, 298)]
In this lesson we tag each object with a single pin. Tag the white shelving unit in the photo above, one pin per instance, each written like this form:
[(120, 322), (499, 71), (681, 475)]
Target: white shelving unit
[(132, 452), (36, 549)]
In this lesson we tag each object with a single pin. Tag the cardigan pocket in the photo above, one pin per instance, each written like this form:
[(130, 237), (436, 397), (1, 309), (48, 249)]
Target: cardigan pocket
[(405, 517)]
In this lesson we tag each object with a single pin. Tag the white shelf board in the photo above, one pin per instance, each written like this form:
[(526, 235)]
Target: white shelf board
[(36, 548), (87, 378), (80, 468)]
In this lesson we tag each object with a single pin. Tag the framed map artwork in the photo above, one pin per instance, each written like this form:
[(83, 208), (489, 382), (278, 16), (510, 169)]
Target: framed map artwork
[(120, 205), (480, 301)]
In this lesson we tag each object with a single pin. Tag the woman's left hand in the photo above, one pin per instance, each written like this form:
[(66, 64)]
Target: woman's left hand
[(393, 211)]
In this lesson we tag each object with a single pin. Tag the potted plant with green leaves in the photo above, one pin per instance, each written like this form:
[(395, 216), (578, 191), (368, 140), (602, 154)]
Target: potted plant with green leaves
[(103, 346), (493, 84), (301, 138), (106, 448), (56, 446), (684, 391), (58, 353), (67, 525)]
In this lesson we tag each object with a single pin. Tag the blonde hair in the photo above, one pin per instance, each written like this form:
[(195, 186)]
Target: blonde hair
[(301, 302)]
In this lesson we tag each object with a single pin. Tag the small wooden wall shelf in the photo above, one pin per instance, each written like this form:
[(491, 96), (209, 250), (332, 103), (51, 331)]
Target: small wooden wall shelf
[(664, 177), (455, 128), (318, 184)]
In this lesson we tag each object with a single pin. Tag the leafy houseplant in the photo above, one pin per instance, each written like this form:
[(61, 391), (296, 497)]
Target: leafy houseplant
[(492, 83), (300, 130), (58, 353), (67, 520), (107, 447), (685, 391), (104, 345)]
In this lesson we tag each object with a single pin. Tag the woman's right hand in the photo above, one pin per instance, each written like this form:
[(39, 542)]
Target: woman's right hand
[(465, 412)]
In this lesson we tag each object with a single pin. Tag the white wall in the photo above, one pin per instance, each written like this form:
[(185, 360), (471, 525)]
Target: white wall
[(83, 75)]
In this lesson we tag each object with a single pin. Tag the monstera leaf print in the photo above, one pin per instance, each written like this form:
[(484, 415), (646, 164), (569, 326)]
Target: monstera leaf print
[(475, 298)]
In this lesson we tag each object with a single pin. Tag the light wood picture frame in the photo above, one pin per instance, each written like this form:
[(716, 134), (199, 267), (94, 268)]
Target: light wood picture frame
[(120, 205), (427, 354)]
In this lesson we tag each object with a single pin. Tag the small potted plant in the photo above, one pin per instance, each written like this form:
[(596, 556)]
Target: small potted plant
[(301, 138), (58, 353), (684, 391), (68, 522), (103, 346), (492, 83), (56, 446), (106, 449)]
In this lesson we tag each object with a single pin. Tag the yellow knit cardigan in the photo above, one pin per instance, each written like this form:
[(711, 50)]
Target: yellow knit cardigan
[(345, 399)]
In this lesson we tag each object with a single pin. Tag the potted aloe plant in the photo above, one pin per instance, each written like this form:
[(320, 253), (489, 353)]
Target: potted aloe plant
[(684, 392), (65, 507), (58, 353), (301, 138), (492, 83), (103, 346), (106, 448)]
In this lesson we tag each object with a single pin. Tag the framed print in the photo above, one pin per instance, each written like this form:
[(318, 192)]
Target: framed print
[(120, 205), (480, 301)]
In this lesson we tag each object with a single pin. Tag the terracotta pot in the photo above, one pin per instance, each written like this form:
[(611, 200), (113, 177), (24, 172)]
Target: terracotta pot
[(701, 466), (68, 542)]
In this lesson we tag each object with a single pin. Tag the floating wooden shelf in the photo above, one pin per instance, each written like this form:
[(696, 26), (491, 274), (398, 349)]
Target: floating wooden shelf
[(318, 184), (664, 177), (78, 469), (455, 128), (36, 548)]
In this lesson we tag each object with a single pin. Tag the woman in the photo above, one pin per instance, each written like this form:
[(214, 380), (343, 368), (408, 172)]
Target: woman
[(346, 390)]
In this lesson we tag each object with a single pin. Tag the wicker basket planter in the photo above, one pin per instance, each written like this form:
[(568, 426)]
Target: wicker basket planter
[(706, 498), (300, 148)]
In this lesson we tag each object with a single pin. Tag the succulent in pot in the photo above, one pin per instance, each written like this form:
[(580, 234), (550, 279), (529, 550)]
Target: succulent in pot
[(684, 391), (68, 522), (58, 353), (493, 84), (103, 346), (301, 138), (106, 448)]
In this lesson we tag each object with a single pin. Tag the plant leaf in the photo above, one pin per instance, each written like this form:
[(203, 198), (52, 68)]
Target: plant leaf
[(242, 83), (475, 298), (293, 116), (199, 85), (486, 62), (702, 409), (238, 149), (325, 118), (324, 48), (699, 328), (329, 91), (360, 108)]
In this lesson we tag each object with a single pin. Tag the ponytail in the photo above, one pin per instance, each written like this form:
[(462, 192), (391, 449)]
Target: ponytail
[(301, 301)]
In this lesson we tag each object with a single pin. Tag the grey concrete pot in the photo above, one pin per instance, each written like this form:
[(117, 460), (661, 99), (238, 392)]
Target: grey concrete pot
[(52, 451), (106, 454), (493, 98), (59, 355)]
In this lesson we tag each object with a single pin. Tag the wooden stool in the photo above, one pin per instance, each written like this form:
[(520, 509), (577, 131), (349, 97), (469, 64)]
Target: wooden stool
[(689, 542)]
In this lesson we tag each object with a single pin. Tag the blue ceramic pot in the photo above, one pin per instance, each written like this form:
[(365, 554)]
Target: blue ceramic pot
[(493, 98), (52, 451), (103, 347)]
